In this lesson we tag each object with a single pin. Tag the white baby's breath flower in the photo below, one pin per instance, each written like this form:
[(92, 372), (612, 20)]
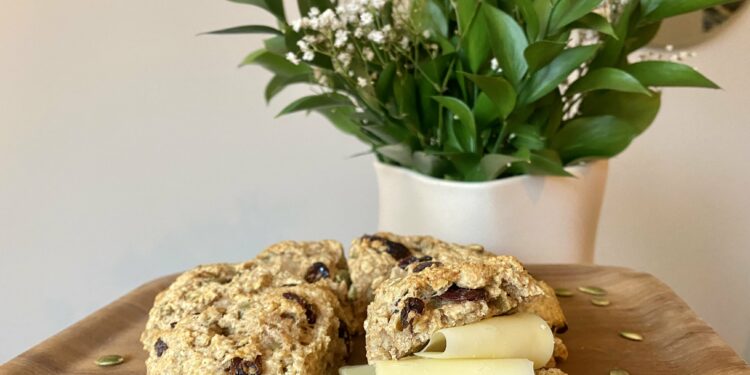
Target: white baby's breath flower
[(314, 12), (345, 58), (366, 19), (368, 54), (359, 32), (297, 25), (426, 34), (378, 4), (362, 82), (376, 36), (341, 37), (292, 58), (494, 64), (308, 56), (328, 20), (404, 42)]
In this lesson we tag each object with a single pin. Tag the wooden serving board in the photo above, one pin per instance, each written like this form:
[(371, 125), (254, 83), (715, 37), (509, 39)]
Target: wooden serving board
[(676, 340)]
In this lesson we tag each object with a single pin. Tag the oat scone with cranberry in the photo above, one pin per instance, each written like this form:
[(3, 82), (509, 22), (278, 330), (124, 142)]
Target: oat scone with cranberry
[(375, 258), (432, 295), (234, 317), (298, 329)]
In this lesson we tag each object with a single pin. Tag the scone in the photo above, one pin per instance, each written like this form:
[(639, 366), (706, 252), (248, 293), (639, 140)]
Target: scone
[(281, 313), (279, 330), (376, 258), (431, 295)]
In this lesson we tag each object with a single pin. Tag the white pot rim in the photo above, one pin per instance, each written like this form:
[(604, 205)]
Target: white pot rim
[(576, 170)]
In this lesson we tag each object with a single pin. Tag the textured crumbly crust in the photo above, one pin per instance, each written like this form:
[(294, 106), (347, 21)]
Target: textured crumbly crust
[(560, 353), (255, 317), (547, 307), (375, 258), (406, 310), (300, 259), (550, 371)]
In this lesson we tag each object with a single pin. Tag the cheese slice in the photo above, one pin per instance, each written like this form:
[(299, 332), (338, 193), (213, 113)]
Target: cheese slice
[(418, 366), (512, 336), (357, 370)]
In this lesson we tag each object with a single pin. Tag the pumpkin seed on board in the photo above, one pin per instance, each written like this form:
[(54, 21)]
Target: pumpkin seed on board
[(593, 290), (632, 336), (600, 301), (563, 292), (618, 371), (109, 360)]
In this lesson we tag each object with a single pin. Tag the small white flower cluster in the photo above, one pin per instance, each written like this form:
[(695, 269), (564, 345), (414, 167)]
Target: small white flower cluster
[(354, 35)]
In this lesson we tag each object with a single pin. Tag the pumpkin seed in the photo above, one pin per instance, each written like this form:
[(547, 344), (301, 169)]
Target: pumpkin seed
[(631, 336), (563, 292), (618, 371), (109, 360), (593, 290), (600, 301)]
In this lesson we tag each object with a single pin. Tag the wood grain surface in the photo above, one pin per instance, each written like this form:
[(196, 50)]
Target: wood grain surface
[(676, 340)]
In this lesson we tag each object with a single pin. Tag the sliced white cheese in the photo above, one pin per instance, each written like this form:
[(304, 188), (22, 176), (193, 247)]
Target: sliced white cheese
[(512, 336), (418, 366), (357, 370)]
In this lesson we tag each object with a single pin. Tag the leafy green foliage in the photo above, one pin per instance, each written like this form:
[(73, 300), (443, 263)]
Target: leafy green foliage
[(476, 90)]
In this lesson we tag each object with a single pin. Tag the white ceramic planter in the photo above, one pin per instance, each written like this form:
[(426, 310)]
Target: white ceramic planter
[(538, 219)]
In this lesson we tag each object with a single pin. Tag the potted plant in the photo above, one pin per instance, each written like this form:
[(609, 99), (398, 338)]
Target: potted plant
[(491, 120)]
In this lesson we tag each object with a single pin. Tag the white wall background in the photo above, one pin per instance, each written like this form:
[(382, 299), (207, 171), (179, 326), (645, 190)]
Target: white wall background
[(130, 148)]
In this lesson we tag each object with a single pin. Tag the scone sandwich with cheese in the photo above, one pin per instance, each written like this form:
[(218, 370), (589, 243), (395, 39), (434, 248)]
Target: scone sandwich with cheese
[(434, 307)]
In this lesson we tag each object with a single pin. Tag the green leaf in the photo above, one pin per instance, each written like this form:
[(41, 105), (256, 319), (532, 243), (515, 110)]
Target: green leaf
[(405, 93), (275, 63), (531, 18), (275, 7), (668, 74), (431, 165), (596, 22), (341, 118), (399, 153), (278, 83), (641, 37), (669, 8), (276, 45), (499, 90), (508, 43), (549, 77), (473, 32), (248, 29), (467, 132), (593, 137), (384, 85), (541, 53), (638, 110), (485, 111), (607, 79), (528, 137), (545, 164), (565, 12), (313, 102), (432, 17), (612, 53), (493, 165)]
